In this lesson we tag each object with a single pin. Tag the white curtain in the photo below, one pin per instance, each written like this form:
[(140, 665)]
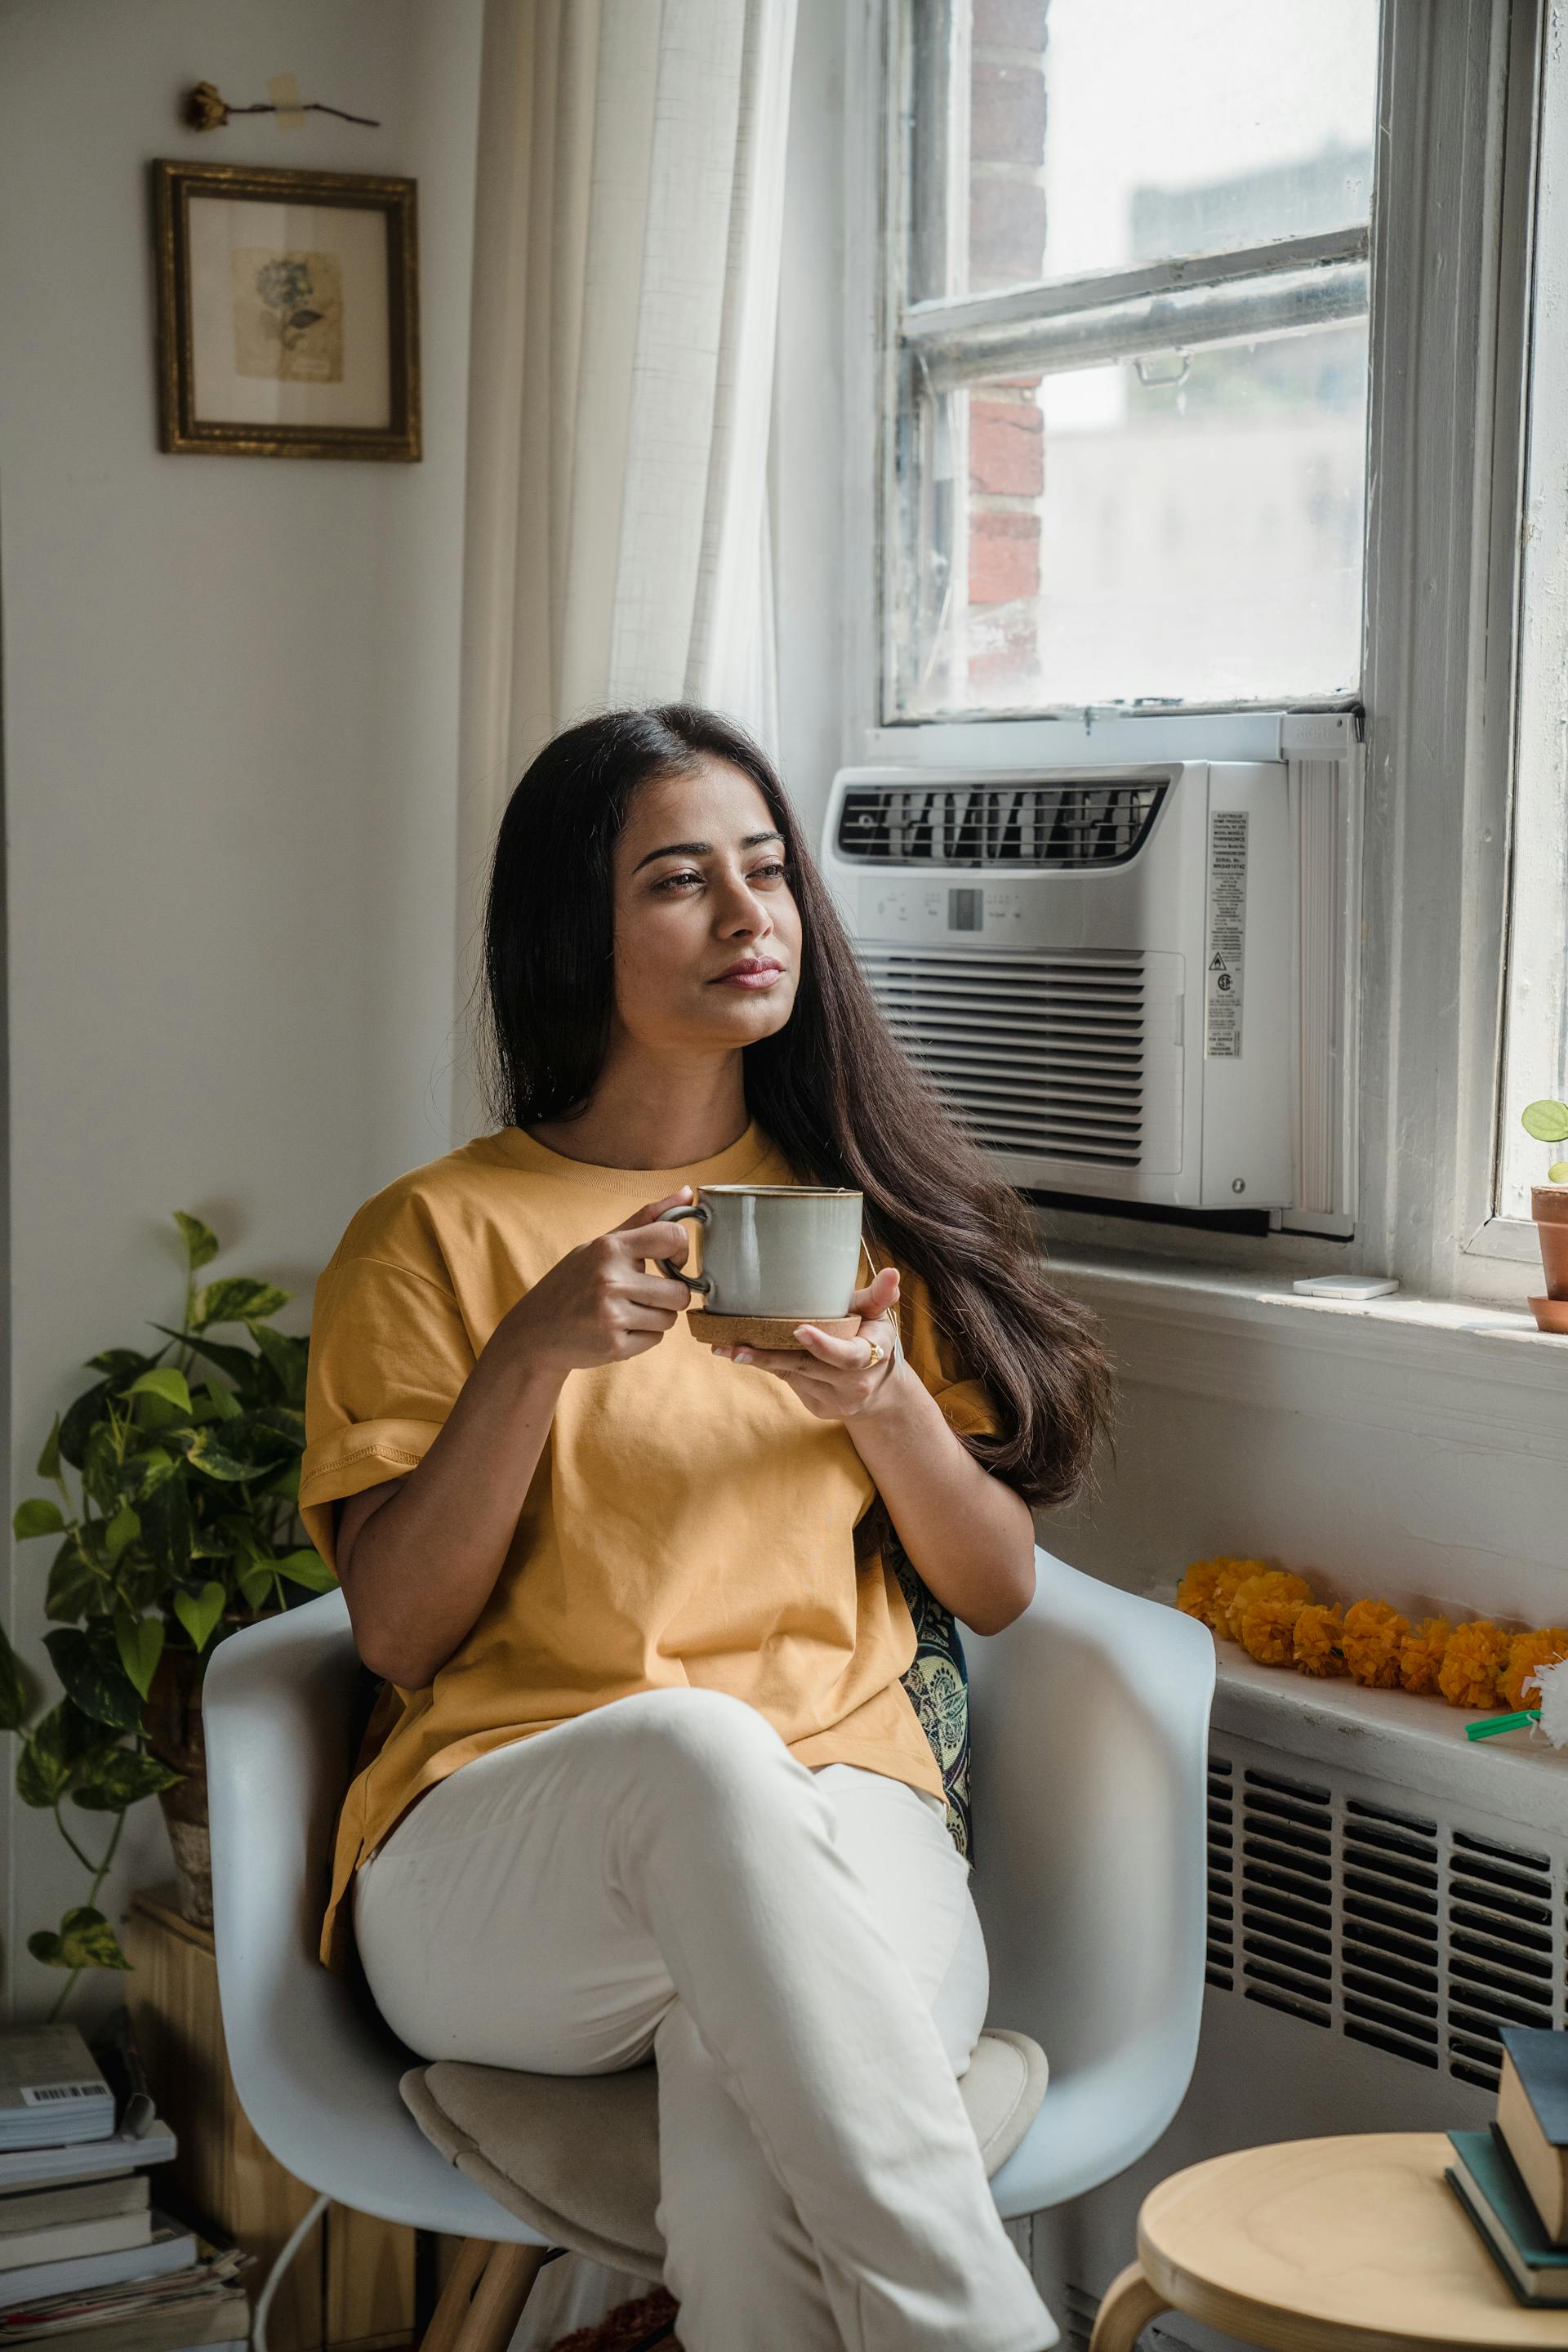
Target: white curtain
[(629, 221)]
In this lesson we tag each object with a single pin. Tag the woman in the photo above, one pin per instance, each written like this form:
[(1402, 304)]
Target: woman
[(654, 1784)]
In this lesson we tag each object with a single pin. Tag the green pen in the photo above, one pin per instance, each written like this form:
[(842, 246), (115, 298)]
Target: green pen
[(1495, 1723)]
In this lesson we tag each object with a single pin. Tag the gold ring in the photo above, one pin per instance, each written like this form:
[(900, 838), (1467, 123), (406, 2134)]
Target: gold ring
[(875, 1355)]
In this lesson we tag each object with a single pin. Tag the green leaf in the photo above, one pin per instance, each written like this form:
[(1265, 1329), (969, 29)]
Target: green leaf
[(287, 1357), (224, 1402), (89, 1664), (49, 1465), (256, 1585), (209, 1454), (121, 1363), (239, 1299), (156, 1466), (1546, 1120), (13, 1686), (76, 1584), (309, 1568), (1558, 1172), (102, 1468), (199, 1613), (123, 1528), (115, 1777), (238, 1363), (286, 1483), (140, 1642), (201, 1242), (45, 1945), (165, 1383), (80, 1419), (167, 1528), (87, 1942), (38, 1517), (51, 1753)]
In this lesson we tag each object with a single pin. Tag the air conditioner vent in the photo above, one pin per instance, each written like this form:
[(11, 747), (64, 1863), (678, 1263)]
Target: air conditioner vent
[(1057, 827), (1039, 1054), (1410, 1934)]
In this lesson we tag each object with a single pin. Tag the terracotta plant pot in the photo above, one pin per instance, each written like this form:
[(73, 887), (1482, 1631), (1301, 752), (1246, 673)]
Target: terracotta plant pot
[(1548, 1207), (171, 1720)]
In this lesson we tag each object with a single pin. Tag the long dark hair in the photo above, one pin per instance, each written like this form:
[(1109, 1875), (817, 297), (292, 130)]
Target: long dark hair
[(831, 1088)]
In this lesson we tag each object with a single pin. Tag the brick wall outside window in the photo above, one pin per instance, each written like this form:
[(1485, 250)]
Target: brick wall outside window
[(1006, 247)]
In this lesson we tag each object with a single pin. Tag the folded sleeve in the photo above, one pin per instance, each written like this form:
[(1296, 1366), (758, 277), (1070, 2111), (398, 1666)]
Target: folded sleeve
[(966, 1403), (389, 1354)]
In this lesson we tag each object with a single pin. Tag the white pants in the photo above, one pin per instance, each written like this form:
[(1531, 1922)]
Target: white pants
[(800, 1952)]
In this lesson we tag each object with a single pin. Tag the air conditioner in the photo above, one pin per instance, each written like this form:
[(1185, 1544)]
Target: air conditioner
[(1098, 968)]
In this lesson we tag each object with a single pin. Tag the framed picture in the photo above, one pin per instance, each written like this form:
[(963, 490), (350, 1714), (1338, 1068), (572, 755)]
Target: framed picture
[(288, 313)]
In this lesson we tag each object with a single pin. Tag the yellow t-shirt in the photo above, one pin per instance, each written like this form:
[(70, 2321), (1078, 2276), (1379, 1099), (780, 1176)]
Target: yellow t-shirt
[(690, 1521)]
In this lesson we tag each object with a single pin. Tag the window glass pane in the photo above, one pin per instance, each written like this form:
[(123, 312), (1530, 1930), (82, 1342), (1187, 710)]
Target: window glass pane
[(1055, 138), (1186, 526)]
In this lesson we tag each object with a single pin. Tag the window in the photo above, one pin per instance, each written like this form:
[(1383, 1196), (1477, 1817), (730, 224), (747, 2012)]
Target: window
[(1127, 354), (1536, 1060)]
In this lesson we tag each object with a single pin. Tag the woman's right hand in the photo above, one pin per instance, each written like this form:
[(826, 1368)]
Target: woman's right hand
[(601, 1304)]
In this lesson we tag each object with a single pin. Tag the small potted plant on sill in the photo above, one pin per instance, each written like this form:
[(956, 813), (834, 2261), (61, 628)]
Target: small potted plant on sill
[(185, 1528), (1547, 1122)]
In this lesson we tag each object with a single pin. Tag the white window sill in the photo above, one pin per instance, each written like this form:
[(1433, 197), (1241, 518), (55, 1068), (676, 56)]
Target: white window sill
[(1419, 1744), (1454, 1335)]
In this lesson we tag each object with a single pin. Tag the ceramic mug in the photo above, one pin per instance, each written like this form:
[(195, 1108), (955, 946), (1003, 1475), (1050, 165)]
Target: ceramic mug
[(788, 1250)]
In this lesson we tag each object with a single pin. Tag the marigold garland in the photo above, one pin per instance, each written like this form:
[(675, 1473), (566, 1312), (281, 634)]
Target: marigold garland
[(1279, 1621), (1477, 1656), (1267, 1584), (1319, 1639), (1268, 1629), (1421, 1655), (1372, 1635), (1528, 1651)]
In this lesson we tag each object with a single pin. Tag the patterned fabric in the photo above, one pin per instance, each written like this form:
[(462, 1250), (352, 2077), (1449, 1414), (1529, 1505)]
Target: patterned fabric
[(938, 1685), (630, 2328)]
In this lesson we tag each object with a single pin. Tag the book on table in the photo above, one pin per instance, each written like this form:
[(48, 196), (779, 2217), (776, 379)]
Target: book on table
[(52, 2089), (1532, 2116), (1484, 2178)]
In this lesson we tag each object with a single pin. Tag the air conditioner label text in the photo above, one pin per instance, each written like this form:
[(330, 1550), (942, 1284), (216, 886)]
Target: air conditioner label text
[(1223, 955)]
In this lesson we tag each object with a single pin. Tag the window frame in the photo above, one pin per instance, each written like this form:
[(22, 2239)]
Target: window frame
[(1541, 754), (1123, 313), (1449, 257)]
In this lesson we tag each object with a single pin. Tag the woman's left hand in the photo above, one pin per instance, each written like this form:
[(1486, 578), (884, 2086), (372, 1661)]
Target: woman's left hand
[(838, 1378)]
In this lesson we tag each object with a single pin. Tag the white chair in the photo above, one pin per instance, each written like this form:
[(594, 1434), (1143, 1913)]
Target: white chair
[(1089, 1733)]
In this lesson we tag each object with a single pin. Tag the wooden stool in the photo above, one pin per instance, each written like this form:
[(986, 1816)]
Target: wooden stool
[(1354, 2244)]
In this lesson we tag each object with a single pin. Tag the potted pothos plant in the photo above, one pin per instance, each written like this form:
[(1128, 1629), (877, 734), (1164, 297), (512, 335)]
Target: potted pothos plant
[(175, 1516), (1547, 1122)]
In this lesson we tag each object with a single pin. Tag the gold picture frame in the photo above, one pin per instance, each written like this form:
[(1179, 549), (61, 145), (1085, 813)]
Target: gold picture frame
[(294, 336)]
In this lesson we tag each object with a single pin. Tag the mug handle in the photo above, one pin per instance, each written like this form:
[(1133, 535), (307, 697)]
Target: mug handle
[(698, 1216)]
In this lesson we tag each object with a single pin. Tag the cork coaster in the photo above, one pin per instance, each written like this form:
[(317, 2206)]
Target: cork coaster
[(763, 1331)]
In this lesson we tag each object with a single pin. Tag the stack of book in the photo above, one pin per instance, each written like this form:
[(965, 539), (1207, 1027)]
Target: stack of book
[(88, 2262), (1512, 2179)]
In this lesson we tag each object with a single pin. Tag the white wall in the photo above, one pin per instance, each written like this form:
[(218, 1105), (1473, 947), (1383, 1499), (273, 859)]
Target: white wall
[(230, 727)]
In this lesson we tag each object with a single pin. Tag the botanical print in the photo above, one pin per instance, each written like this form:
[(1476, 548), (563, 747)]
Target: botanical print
[(288, 315)]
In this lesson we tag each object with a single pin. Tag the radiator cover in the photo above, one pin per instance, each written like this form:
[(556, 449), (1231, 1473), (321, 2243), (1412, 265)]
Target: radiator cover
[(1383, 1896)]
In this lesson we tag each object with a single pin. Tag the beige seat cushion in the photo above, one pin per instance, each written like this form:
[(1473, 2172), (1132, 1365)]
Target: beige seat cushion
[(576, 2156)]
